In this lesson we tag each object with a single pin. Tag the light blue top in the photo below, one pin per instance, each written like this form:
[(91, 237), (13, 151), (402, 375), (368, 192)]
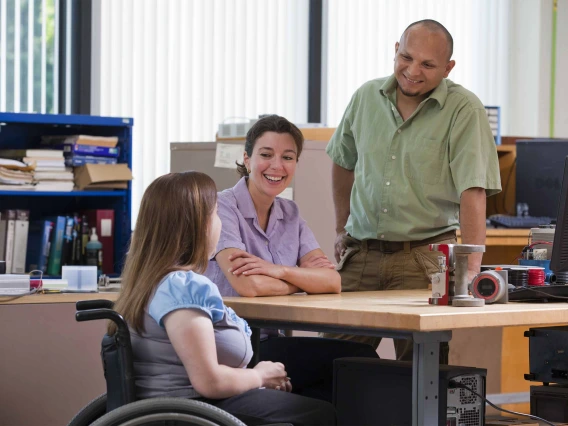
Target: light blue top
[(158, 369)]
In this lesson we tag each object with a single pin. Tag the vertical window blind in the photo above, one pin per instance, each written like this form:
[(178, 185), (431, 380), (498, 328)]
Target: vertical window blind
[(181, 67), (29, 56), (362, 35)]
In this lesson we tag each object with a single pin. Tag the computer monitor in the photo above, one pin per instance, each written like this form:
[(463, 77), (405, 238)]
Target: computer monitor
[(539, 174), (559, 259)]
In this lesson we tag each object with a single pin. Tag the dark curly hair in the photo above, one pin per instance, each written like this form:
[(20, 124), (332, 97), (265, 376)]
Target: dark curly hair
[(270, 123)]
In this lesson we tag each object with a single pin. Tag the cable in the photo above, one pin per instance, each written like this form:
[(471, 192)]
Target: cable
[(519, 277), (530, 246), (536, 276), (538, 291), (38, 289), (530, 416)]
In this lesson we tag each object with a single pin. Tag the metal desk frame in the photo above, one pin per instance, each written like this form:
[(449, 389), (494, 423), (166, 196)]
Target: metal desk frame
[(425, 363)]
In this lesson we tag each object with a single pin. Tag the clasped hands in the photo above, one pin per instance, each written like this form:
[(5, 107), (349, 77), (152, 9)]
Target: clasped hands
[(273, 376), (248, 264)]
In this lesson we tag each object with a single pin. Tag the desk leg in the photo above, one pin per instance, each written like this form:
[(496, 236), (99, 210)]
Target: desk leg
[(425, 377)]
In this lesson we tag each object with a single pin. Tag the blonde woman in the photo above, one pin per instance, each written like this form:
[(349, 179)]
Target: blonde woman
[(185, 341)]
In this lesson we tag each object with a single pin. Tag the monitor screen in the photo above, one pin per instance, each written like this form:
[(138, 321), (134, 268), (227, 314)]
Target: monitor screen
[(539, 174), (559, 260)]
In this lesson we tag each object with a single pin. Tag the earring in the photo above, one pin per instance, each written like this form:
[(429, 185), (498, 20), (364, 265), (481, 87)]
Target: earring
[(248, 171)]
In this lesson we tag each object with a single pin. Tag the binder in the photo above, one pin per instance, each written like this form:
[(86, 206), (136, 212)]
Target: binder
[(3, 226), (103, 220), (21, 228), (9, 243), (67, 247), (54, 263), (39, 241)]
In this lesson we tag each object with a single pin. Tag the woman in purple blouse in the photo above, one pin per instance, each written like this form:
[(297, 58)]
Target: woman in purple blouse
[(267, 249)]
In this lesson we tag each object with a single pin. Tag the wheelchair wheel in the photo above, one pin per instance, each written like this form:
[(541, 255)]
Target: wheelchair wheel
[(90, 412), (174, 411)]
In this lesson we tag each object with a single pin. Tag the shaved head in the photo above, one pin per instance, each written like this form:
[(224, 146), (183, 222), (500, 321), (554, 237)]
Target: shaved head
[(422, 59), (433, 26)]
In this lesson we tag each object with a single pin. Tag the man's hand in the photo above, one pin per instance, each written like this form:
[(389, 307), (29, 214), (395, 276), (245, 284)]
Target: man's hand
[(248, 264), (341, 183), (339, 246), (471, 275)]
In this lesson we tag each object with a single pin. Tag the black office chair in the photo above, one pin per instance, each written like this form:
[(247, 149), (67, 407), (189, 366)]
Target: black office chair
[(119, 406)]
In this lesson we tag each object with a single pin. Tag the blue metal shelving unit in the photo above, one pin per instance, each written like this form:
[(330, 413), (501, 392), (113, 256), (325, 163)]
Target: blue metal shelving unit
[(494, 117), (119, 193), (23, 130)]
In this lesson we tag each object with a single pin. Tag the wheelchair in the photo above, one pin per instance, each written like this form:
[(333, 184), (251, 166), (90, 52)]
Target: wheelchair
[(119, 405)]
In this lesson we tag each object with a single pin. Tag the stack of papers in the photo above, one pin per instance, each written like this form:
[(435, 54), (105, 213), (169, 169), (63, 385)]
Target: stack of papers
[(14, 284), (15, 177)]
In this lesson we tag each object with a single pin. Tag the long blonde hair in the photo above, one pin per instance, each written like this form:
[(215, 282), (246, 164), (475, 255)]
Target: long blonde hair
[(171, 233)]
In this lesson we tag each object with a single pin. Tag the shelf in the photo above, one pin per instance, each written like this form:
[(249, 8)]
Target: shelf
[(119, 193), (25, 131), (62, 120)]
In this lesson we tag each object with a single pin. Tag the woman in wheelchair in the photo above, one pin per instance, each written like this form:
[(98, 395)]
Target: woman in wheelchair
[(185, 341)]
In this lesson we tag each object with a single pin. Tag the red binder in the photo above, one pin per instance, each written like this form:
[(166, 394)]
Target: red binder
[(103, 220)]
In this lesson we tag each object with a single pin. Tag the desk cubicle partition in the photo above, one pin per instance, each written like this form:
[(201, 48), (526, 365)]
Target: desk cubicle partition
[(311, 187)]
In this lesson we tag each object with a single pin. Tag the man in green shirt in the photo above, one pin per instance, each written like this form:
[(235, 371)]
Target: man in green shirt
[(414, 160)]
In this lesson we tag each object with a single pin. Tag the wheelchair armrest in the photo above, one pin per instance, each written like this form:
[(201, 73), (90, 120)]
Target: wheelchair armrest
[(97, 314), (83, 305)]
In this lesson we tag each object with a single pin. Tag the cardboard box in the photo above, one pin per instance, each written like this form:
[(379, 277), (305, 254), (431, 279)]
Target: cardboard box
[(310, 134), (511, 422), (317, 133), (102, 176)]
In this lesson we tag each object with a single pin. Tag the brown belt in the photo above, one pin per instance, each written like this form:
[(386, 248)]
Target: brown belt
[(389, 247)]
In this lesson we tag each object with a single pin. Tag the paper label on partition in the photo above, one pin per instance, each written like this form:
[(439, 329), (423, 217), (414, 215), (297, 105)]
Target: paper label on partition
[(288, 194), (227, 154), (106, 228)]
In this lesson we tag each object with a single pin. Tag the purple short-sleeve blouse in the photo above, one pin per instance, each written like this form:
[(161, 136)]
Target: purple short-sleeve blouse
[(286, 240)]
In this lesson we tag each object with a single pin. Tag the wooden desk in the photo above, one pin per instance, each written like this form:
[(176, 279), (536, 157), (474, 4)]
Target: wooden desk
[(502, 246), (399, 310), (50, 365), (57, 298), (403, 314), (504, 237), (45, 349)]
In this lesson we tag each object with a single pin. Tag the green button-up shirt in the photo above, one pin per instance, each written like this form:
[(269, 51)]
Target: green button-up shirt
[(409, 175)]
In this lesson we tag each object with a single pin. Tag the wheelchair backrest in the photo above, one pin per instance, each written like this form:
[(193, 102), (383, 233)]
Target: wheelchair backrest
[(116, 352), (118, 370)]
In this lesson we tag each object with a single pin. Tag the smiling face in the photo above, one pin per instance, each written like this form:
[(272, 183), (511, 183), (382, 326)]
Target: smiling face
[(421, 61), (272, 164)]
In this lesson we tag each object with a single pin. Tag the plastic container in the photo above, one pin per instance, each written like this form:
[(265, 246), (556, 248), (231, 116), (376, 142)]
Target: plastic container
[(94, 251), (80, 278), (539, 263)]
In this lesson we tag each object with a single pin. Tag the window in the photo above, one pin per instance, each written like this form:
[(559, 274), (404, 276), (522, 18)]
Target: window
[(362, 35), (29, 56), (180, 68)]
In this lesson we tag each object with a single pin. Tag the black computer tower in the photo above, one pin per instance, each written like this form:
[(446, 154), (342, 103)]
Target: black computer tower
[(550, 402), (548, 350), (377, 392)]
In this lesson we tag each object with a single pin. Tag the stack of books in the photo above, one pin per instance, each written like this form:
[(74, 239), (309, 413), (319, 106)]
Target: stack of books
[(85, 149), (50, 173), (15, 175)]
